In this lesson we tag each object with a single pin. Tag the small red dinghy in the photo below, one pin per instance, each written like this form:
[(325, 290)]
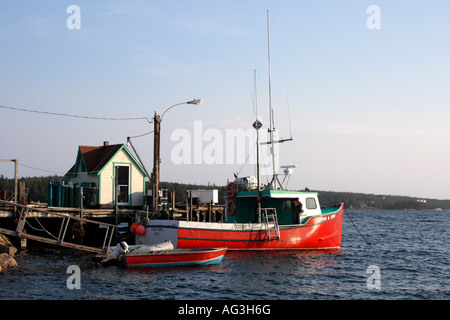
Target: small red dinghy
[(178, 257), (164, 255)]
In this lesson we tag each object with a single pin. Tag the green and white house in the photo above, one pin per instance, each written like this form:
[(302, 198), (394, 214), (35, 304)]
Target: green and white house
[(112, 169)]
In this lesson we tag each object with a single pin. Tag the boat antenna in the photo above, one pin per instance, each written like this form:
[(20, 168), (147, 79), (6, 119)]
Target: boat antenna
[(289, 115), (271, 125)]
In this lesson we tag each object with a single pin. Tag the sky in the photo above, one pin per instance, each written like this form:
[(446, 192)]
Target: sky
[(364, 92)]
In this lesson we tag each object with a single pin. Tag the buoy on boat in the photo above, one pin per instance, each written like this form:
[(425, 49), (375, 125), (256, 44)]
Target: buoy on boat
[(231, 203), (134, 226), (140, 230), (231, 189)]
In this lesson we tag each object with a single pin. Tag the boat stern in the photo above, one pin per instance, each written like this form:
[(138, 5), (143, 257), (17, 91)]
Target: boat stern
[(159, 231)]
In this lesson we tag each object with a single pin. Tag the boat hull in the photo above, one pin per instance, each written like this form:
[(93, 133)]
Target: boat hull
[(317, 232), (173, 258)]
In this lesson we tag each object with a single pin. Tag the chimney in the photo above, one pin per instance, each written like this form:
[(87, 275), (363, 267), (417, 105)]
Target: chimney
[(105, 143)]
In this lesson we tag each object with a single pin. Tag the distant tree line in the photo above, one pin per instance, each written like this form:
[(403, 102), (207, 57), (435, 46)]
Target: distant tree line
[(384, 202), (37, 190)]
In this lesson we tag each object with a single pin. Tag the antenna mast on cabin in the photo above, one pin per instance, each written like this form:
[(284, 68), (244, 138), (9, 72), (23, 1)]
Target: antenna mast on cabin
[(271, 125)]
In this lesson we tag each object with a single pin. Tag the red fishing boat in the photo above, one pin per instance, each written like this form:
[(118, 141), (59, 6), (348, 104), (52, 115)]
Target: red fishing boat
[(277, 225), (257, 217)]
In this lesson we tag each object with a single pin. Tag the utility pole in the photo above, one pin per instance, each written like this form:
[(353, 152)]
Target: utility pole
[(156, 161), (16, 164), (156, 147)]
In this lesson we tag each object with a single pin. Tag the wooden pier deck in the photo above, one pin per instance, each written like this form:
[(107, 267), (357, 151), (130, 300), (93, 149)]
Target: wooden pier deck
[(7, 211), (53, 225), (17, 215)]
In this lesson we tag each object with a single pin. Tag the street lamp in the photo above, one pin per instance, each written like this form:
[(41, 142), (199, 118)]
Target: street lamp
[(195, 101), (156, 148)]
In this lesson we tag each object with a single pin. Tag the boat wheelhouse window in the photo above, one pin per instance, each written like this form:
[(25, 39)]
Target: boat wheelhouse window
[(286, 205), (311, 203)]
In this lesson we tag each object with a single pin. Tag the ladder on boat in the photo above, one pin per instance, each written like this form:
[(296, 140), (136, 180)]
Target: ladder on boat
[(271, 223)]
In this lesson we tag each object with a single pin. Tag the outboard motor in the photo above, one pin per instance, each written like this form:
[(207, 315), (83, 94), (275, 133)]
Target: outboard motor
[(123, 247)]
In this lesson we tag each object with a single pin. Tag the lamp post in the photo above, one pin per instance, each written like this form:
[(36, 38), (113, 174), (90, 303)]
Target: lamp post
[(156, 148)]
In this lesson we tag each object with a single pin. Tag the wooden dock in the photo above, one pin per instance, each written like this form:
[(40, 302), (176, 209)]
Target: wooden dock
[(67, 217), (56, 225), (7, 211)]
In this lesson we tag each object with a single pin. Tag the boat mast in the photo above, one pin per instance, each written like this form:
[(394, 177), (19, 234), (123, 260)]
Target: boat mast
[(257, 125), (271, 125)]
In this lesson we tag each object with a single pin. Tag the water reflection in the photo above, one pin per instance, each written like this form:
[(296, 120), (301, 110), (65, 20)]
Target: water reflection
[(283, 262)]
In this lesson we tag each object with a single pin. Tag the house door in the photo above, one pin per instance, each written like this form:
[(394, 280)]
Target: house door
[(123, 184)]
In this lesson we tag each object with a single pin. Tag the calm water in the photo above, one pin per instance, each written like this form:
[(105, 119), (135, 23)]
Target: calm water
[(411, 250)]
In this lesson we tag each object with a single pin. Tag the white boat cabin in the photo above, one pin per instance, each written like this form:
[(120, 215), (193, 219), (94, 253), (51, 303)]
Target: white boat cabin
[(291, 206)]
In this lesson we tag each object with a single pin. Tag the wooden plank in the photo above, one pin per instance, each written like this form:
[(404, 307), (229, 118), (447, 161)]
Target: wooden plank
[(7, 211), (48, 212)]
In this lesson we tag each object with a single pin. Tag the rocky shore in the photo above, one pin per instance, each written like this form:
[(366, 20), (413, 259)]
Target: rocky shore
[(7, 251)]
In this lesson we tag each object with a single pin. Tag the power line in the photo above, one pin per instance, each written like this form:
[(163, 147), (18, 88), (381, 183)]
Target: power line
[(23, 165), (141, 135), (74, 115)]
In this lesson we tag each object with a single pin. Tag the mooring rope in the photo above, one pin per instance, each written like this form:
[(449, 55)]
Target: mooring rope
[(357, 228), (43, 229)]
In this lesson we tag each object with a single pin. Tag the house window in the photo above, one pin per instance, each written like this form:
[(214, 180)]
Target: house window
[(123, 184), (311, 203)]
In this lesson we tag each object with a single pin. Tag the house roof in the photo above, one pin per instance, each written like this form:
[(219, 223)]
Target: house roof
[(93, 159)]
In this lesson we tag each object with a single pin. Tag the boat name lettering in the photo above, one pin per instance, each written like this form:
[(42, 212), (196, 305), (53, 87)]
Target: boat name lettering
[(156, 228), (242, 226), (327, 218)]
